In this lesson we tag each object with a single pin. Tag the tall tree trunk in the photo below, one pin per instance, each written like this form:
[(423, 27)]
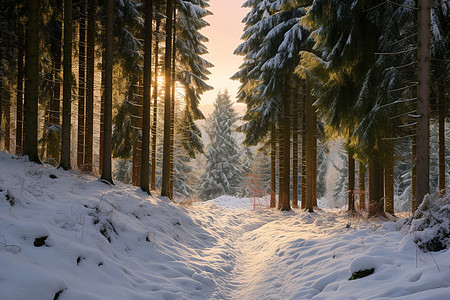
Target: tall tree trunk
[(375, 186), (351, 179), (273, 161), (389, 178), (107, 167), (295, 152), (423, 103), (165, 189), (280, 164), (20, 89), (442, 113), (310, 123), (81, 85), (413, 176), (55, 136), (7, 109), (172, 115), (286, 195), (32, 91), (155, 102), (362, 185), (90, 73), (67, 86), (303, 112), (145, 163), (314, 156), (102, 101)]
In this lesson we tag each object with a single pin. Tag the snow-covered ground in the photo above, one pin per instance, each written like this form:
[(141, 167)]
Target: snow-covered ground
[(68, 236)]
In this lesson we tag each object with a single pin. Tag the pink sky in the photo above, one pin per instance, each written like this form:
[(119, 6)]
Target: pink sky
[(224, 36)]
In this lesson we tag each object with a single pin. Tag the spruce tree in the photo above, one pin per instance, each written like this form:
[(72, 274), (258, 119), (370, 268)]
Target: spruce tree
[(223, 170)]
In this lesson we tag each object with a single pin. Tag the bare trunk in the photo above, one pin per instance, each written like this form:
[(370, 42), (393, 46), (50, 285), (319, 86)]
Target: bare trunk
[(273, 160), (413, 176), (362, 185), (442, 113), (32, 88), (310, 123), (20, 90), (389, 178), (7, 109), (81, 85), (303, 112), (155, 104), (90, 73), (165, 189), (67, 87), (423, 103), (375, 186), (295, 152), (280, 164), (286, 195), (351, 180), (172, 115), (145, 167)]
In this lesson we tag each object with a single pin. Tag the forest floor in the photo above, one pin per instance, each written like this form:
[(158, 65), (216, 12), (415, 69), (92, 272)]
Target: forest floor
[(67, 236)]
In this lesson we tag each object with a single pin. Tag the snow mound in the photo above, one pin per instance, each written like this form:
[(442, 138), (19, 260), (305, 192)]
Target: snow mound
[(362, 263), (430, 224)]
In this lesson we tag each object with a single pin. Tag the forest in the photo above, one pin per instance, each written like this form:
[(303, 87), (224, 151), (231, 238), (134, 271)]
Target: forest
[(113, 87)]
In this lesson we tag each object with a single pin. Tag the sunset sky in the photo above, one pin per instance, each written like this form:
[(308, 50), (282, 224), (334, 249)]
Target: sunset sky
[(224, 36)]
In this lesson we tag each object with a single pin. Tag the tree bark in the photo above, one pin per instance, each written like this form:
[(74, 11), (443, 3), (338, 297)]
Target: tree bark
[(303, 203), (295, 152), (413, 176), (310, 123), (286, 195), (90, 73), (145, 163), (172, 115), (375, 186), (351, 179), (362, 185), (32, 91), (67, 87), (423, 103), (7, 109), (389, 178), (442, 113), (165, 189), (280, 164), (273, 161), (81, 85), (20, 90), (107, 167), (155, 102)]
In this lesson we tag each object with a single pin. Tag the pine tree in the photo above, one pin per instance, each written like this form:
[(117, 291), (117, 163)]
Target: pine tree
[(223, 172)]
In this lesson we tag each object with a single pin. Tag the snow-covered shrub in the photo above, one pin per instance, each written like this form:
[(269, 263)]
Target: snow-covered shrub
[(430, 224)]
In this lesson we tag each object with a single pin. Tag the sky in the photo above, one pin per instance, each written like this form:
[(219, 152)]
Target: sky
[(224, 36)]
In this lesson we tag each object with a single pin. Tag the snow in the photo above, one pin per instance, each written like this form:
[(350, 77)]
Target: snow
[(115, 242)]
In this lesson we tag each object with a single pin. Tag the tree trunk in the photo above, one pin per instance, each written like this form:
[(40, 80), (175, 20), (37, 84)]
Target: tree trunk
[(81, 85), (310, 123), (442, 113), (67, 86), (32, 91), (286, 195), (90, 73), (389, 178), (375, 186), (102, 102), (55, 136), (362, 185), (273, 161), (106, 167), (295, 153), (165, 189), (413, 176), (145, 163), (155, 102), (280, 164), (423, 103), (314, 155), (7, 109), (351, 179), (20, 90), (303, 112), (172, 115)]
